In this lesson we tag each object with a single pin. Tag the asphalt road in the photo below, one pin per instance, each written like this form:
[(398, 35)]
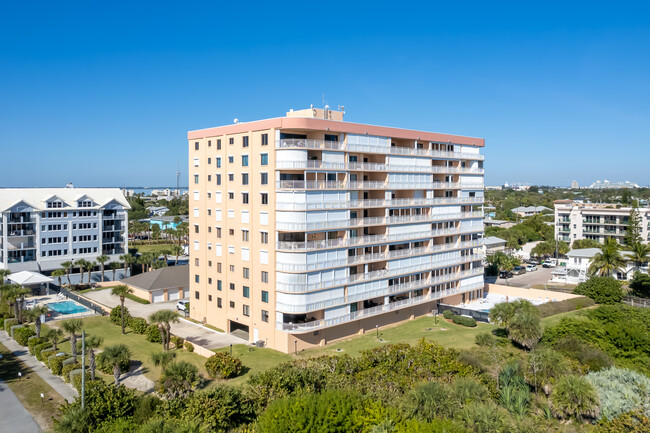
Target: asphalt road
[(13, 416), (540, 276)]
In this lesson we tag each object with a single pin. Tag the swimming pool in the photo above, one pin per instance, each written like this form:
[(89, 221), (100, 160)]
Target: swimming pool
[(67, 307)]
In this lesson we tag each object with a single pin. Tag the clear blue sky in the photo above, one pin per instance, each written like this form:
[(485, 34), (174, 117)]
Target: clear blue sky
[(103, 95)]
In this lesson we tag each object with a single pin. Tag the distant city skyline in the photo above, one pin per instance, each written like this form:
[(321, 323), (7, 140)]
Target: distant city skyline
[(99, 97)]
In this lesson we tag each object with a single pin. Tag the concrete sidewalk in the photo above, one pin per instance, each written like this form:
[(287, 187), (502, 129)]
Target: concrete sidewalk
[(13, 415), (66, 391)]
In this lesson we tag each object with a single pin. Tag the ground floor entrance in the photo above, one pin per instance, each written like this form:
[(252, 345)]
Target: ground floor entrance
[(238, 329)]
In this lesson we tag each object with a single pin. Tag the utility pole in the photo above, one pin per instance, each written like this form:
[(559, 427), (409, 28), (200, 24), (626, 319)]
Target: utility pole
[(83, 369)]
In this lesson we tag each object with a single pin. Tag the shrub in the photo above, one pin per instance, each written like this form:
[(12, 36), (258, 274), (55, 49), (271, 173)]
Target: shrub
[(485, 339), (189, 346), (640, 285), (38, 349), (45, 352), (103, 403), (153, 334), (2, 322), (68, 361), (21, 335), (603, 290), (177, 341), (136, 299), (75, 379), (591, 357), (575, 397), (65, 372), (138, 325), (620, 391), (55, 362), (14, 328), (107, 368), (9, 323), (463, 320), (116, 317), (447, 314), (553, 308), (221, 408), (223, 366), (32, 342)]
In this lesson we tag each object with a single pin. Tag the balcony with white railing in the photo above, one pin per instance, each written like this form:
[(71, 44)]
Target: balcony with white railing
[(376, 221), (375, 275), (338, 184), (375, 257), (373, 311), (369, 166), (401, 202)]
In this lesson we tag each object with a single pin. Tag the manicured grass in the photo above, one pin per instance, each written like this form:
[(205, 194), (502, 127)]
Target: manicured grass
[(151, 247), (254, 360), (554, 320), (136, 299), (189, 319), (28, 389), (140, 348)]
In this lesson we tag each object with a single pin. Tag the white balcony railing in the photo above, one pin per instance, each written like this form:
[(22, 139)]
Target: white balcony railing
[(339, 184), (373, 311), (370, 166), (400, 202)]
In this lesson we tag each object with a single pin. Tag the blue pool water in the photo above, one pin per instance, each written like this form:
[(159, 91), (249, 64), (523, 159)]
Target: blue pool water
[(67, 307)]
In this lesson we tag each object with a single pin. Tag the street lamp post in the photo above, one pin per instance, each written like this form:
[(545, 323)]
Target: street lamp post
[(295, 347), (377, 329)]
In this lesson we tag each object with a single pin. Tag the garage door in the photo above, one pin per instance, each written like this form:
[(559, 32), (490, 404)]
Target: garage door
[(158, 296), (187, 294), (173, 294)]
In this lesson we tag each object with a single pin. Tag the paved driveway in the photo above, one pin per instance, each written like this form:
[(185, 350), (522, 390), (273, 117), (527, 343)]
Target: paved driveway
[(185, 329), (13, 416), (540, 276)]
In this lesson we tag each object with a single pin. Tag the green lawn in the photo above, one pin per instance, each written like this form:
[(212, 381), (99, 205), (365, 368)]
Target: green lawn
[(28, 389), (141, 349), (143, 248), (553, 320), (254, 360)]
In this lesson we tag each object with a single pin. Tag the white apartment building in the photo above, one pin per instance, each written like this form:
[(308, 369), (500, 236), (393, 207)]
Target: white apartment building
[(42, 227), (576, 267), (574, 221)]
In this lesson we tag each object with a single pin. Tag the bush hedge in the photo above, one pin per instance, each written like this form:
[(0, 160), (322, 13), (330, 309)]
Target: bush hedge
[(177, 341), (8, 324), (463, 320), (189, 346), (68, 361), (136, 299), (485, 339), (40, 347), (13, 329), (55, 362), (68, 369), (223, 366), (138, 325), (116, 315), (107, 368), (32, 342), (553, 308), (21, 335), (447, 314), (46, 352), (153, 334), (75, 379), (2, 322), (603, 290)]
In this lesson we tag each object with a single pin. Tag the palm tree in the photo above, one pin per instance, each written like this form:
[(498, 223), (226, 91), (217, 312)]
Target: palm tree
[(608, 260), (143, 261), (121, 291), (179, 379), (35, 314), (506, 264), (525, 328), (114, 355), (114, 267), (125, 258), (58, 273), (81, 264), (74, 420), (54, 335), (574, 396), (89, 267), (164, 319), (92, 342), (68, 267), (162, 359), (165, 252), (177, 250), (14, 295), (640, 254), (71, 327), (102, 262), (4, 273)]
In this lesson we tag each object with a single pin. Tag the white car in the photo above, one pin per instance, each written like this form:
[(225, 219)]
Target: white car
[(182, 305), (531, 268)]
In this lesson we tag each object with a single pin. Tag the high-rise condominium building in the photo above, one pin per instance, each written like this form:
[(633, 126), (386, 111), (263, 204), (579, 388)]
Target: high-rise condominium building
[(597, 221), (42, 227), (305, 228)]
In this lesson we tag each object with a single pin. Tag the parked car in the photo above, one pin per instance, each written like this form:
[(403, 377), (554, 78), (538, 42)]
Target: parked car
[(534, 262), (551, 263), (505, 274), (183, 305), (531, 268), (518, 270)]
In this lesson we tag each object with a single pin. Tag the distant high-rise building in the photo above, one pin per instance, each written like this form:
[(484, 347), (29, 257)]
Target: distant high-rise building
[(575, 185)]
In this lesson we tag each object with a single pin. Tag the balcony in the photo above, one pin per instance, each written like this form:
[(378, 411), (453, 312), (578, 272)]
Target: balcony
[(20, 233), (565, 229), (303, 143), (366, 166), (369, 312), (334, 184), (403, 202), (380, 274), (377, 221), (376, 257)]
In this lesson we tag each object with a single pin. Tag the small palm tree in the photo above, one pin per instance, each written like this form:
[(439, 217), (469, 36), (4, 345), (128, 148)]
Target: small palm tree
[(68, 265), (608, 260), (35, 314), (58, 273), (14, 295), (4, 273), (575, 397), (164, 319), (114, 355), (177, 250), (179, 379), (71, 327), (54, 335), (81, 264), (121, 291), (74, 420), (102, 262), (640, 254), (89, 267), (162, 359), (114, 266), (92, 343)]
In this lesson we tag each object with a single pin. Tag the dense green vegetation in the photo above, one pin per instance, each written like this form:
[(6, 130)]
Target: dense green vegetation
[(529, 230)]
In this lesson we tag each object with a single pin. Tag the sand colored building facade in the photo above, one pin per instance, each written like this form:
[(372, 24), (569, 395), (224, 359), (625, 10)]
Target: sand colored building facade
[(305, 229)]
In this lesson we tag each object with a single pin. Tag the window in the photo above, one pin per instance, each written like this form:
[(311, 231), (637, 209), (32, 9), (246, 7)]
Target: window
[(265, 277), (218, 160), (231, 140), (264, 257), (246, 310), (265, 296), (209, 143), (231, 232), (264, 178), (231, 177), (219, 144), (247, 273), (232, 304), (231, 159), (232, 286), (265, 139), (196, 145), (265, 198), (209, 178), (196, 279), (219, 267), (244, 142), (210, 298), (244, 197), (196, 162), (196, 295), (196, 228), (244, 235), (264, 218), (219, 305), (196, 263), (265, 159), (264, 236), (232, 268), (196, 178), (218, 232), (244, 160), (231, 196), (219, 285), (247, 291), (244, 178)]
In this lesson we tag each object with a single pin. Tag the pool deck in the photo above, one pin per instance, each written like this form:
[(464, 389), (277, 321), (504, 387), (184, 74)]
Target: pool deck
[(492, 299), (51, 299)]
